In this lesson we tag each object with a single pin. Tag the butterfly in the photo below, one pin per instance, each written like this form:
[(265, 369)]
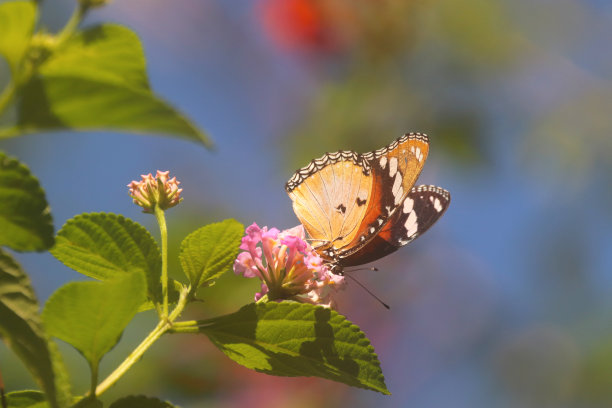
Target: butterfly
[(358, 208)]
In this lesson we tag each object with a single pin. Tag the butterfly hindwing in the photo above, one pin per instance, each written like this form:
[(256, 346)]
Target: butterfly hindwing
[(395, 168), (421, 208)]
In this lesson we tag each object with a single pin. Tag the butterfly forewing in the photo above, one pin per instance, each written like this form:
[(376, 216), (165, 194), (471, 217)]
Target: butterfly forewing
[(325, 197)]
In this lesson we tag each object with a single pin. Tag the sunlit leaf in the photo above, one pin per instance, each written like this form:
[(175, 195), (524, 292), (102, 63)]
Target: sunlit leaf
[(106, 246), (140, 401), (21, 329), (210, 251), (25, 218), (97, 81), (294, 339), (72, 103), (17, 19), (92, 315), (105, 53)]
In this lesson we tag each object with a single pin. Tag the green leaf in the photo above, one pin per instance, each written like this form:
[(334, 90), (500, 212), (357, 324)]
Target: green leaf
[(26, 399), (210, 251), (25, 218), (92, 315), (21, 329), (108, 52), (294, 339), (140, 401), (17, 20), (81, 104), (97, 81), (104, 246)]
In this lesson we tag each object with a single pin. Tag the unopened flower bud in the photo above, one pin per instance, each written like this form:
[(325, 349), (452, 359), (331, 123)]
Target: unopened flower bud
[(159, 190)]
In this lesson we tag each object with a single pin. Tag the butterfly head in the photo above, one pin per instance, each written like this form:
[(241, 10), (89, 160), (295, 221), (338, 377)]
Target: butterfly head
[(331, 260), (336, 268)]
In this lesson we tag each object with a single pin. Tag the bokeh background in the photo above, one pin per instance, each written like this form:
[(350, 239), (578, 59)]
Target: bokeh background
[(506, 302)]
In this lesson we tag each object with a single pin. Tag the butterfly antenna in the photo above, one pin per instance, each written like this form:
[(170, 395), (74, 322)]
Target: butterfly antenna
[(366, 289), (374, 269)]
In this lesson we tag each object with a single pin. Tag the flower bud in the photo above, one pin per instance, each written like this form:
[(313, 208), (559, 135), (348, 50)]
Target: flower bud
[(159, 190)]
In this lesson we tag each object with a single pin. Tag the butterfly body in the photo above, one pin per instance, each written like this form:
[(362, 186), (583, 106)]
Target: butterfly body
[(357, 208)]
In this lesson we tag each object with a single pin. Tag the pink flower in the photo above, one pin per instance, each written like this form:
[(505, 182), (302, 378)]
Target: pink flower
[(287, 265), (159, 190)]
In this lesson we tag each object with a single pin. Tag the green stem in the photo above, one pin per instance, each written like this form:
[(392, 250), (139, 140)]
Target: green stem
[(186, 329), (187, 323), (161, 220), (134, 356), (191, 326), (72, 24), (180, 305), (94, 380), (162, 327)]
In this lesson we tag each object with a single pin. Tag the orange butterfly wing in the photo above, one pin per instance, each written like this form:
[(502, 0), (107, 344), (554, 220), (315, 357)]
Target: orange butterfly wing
[(344, 199), (324, 197)]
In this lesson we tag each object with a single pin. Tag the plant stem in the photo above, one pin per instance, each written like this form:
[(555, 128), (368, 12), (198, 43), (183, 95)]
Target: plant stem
[(186, 329), (72, 24), (134, 356), (94, 380), (161, 220), (187, 323), (189, 326), (180, 305), (162, 327)]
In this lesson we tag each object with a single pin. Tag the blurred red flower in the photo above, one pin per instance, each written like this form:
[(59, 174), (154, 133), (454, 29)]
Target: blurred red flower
[(307, 25)]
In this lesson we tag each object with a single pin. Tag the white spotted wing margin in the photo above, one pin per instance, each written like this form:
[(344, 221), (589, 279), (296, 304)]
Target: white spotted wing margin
[(421, 208)]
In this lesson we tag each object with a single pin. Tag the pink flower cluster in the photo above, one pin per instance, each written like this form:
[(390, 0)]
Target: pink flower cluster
[(287, 265), (159, 190)]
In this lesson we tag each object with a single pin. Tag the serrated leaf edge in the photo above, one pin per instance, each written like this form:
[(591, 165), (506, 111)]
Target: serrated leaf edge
[(345, 322), (122, 220)]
